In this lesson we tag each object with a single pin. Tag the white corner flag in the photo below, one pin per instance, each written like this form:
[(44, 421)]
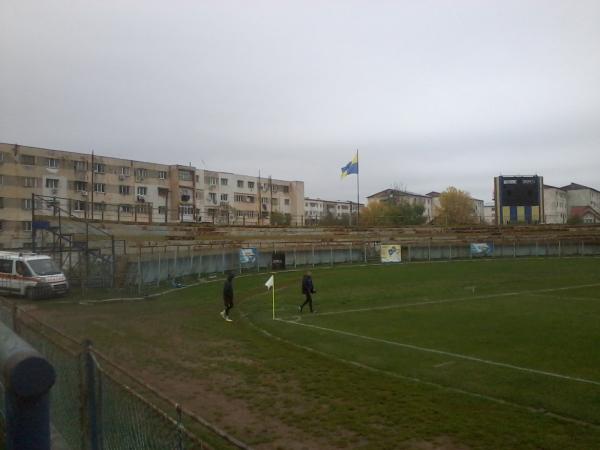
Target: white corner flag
[(270, 282)]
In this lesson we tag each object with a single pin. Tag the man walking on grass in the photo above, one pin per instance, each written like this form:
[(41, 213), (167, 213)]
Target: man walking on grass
[(228, 297), (307, 289)]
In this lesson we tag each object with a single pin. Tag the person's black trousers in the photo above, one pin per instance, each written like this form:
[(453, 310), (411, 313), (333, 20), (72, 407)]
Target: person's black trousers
[(309, 301)]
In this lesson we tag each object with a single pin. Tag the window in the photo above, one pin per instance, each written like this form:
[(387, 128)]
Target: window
[(185, 175), (142, 209), (6, 266), (186, 209), (126, 209), (1, 179), (224, 181), (162, 174), (163, 192), (124, 190), (250, 184), (212, 197), (240, 183), (26, 203), (286, 189), (141, 173), (124, 171), (239, 198), (99, 187), (53, 163), (162, 210), (250, 199), (274, 202), (27, 225), (51, 183), (79, 205), (1, 202), (80, 165), (223, 197), (1, 156), (99, 206), (29, 182), (210, 180), (99, 168), (28, 160), (80, 186), (286, 202), (142, 190)]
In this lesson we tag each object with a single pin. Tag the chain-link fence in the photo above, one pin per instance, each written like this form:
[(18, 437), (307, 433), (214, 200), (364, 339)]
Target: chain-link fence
[(96, 404)]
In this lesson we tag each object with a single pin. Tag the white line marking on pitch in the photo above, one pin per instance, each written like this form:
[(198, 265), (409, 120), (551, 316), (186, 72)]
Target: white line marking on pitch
[(444, 364), (424, 382), (445, 353), (459, 299)]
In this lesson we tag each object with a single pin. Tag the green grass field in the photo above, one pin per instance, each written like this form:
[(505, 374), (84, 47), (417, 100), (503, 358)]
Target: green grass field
[(475, 354)]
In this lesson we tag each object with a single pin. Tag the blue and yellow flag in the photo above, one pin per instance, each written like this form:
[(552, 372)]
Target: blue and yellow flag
[(351, 167)]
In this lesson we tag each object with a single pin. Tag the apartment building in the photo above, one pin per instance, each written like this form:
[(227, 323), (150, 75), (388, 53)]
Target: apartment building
[(555, 205), (396, 196), (316, 209), (98, 187), (247, 200), (583, 201)]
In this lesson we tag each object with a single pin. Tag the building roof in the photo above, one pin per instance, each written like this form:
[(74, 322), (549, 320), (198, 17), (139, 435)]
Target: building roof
[(387, 192), (433, 194), (547, 186), (577, 187), (580, 211)]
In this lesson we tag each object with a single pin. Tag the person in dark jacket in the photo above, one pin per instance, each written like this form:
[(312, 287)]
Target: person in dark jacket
[(228, 297), (307, 289)]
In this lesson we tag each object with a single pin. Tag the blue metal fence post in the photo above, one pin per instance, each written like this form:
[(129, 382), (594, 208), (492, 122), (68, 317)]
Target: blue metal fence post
[(27, 378)]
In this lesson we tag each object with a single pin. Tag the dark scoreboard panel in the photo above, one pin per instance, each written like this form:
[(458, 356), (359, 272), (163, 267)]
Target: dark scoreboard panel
[(520, 191)]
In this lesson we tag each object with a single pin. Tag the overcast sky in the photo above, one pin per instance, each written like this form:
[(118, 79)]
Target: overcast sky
[(432, 93)]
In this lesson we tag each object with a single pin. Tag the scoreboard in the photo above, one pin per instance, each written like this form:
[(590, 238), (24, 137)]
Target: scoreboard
[(519, 199)]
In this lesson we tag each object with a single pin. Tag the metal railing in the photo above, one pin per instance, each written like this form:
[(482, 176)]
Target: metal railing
[(26, 381)]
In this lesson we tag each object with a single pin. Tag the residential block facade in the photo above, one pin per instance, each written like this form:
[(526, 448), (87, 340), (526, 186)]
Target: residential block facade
[(99, 187)]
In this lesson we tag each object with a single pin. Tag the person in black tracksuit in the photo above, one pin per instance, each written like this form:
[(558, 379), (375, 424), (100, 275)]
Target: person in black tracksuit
[(228, 297), (307, 289)]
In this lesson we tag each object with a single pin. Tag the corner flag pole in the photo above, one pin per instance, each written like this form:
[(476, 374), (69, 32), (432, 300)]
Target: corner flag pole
[(273, 296)]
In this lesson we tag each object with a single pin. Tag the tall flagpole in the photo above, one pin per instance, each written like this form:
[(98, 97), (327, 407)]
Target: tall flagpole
[(357, 192)]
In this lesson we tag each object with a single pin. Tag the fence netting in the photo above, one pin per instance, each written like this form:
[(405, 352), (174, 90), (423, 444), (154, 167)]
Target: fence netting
[(96, 404)]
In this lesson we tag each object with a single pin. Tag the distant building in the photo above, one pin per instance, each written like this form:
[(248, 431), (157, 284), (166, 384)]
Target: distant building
[(396, 196), (555, 205), (586, 213), (316, 209), (579, 195), (489, 212), (104, 188), (519, 199)]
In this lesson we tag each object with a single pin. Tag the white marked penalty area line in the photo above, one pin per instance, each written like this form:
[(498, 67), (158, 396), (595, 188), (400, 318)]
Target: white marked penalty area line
[(458, 299), (445, 353)]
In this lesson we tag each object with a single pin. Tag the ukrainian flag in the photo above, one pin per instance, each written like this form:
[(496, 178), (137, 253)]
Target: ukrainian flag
[(351, 167)]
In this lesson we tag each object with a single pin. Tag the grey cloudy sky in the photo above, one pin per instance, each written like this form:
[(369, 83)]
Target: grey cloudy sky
[(432, 93)]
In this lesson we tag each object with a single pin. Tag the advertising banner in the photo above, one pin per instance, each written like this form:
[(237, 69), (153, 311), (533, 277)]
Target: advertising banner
[(247, 256), (391, 253), (482, 249)]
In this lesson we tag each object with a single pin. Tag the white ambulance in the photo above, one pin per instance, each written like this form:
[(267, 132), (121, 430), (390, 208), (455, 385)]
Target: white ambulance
[(31, 275)]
